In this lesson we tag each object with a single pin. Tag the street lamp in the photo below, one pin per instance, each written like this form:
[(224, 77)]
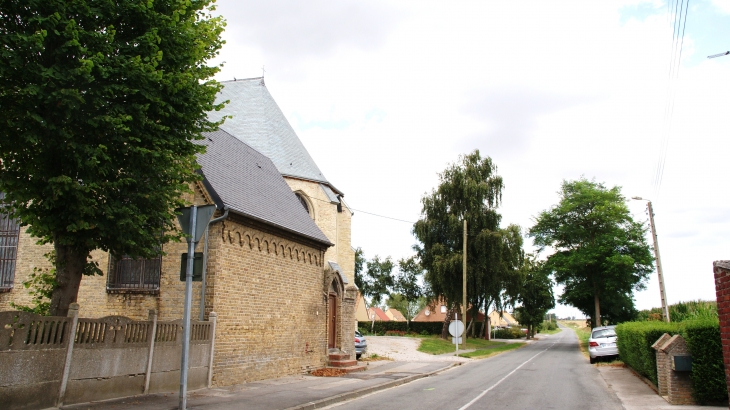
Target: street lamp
[(719, 55), (662, 291)]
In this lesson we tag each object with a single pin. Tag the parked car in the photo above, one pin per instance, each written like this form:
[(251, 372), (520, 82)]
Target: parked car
[(602, 343), (361, 345)]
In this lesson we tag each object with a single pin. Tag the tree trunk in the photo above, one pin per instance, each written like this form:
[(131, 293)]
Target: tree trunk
[(70, 264), (445, 328), (598, 309)]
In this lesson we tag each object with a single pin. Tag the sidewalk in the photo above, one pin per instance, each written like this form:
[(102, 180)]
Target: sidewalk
[(293, 392), (636, 395)]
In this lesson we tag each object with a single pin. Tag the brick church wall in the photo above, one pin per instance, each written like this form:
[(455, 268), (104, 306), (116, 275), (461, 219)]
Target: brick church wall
[(93, 298), (267, 291), (271, 305), (337, 226)]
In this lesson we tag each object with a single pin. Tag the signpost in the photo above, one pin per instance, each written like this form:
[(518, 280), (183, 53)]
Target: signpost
[(193, 221), (456, 329)]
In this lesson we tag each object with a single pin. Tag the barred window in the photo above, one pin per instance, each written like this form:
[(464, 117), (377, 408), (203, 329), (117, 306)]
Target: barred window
[(9, 233), (134, 275)]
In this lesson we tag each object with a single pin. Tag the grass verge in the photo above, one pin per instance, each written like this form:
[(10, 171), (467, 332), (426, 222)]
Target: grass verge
[(484, 353), (549, 332), (441, 346)]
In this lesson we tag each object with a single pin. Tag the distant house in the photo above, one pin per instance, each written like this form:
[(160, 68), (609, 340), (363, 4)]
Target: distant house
[(361, 309), (378, 313), (502, 319), (395, 315), (436, 312)]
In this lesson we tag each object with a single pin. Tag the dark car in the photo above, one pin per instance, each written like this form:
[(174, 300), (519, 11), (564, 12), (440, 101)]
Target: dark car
[(361, 345)]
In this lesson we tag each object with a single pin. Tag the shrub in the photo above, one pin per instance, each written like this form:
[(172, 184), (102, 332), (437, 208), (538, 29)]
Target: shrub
[(679, 312), (708, 370), (381, 327), (634, 344), (549, 325), (395, 333), (509, 333)]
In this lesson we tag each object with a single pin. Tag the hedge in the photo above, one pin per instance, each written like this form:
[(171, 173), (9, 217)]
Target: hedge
[(703, 341), (708, 370), (431, 328)]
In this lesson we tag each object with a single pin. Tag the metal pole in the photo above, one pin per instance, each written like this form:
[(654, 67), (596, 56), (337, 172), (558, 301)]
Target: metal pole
[(456, 332), (463, 314), (662, 291), (201, 316), (186, 313)]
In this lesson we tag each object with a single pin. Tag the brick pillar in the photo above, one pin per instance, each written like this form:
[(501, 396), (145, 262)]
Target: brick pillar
[(679, 385), (663, 367), (722, 291)]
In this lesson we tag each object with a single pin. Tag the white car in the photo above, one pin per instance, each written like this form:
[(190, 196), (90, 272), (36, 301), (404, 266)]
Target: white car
[(602, 342)]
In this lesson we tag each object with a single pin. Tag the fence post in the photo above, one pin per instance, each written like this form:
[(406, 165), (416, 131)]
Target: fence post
[(153, 317), (73, 313), (213, 318)]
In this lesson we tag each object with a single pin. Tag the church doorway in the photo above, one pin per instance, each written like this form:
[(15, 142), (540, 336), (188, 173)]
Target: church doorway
[(332, 321)]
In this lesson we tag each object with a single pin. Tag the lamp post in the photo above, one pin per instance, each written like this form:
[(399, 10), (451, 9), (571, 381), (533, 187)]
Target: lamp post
[(719, 55), (662, 291)]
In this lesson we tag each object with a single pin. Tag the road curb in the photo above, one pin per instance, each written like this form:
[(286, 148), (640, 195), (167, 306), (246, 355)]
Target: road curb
[(318, 404)]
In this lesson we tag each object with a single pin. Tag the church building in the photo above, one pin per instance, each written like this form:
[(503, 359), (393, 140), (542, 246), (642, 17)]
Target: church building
[(279, 268)]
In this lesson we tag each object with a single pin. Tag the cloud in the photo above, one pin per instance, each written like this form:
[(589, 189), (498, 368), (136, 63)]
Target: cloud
[(510, 115), (287, 31), (723, 5)]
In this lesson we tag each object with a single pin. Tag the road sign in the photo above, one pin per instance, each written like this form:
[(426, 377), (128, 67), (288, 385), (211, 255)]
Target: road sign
[(456, 328), (456, 340), (204, 213)]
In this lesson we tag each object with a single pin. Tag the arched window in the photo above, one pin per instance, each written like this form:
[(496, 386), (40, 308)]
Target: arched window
[(304, 202)]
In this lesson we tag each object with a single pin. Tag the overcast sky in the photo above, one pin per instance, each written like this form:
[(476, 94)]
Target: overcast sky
[(385, 95)]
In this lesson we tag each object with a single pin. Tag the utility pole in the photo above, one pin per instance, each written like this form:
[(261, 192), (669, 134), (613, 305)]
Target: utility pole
[(660, 274), (463, 298)]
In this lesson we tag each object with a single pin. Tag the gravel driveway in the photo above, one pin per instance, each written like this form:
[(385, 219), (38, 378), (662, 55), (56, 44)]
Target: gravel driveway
[(403, 349)]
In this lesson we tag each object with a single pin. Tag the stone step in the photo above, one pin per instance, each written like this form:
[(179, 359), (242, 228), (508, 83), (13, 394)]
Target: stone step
[(342, 363), (339, 356)]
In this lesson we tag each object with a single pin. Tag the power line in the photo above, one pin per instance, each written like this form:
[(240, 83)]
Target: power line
[(383, 216), (679, 25), (366, 212)]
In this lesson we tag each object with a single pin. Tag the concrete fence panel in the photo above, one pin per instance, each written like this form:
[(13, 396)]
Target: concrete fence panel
[(109, 357), (32, 356)]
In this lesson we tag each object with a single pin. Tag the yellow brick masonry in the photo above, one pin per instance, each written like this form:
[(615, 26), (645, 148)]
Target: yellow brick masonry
[(337, 226), (268, 292), (93, 299), (269, 297)]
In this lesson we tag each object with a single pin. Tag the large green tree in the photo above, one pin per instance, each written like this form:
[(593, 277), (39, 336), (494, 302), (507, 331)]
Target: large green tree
[(601, 255), (408, 290), (535, 295), (468, 190), (101, 103), (379, 278)]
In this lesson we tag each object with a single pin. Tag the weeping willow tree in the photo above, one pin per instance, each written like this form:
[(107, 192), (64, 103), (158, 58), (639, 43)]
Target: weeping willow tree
[(470, 190)]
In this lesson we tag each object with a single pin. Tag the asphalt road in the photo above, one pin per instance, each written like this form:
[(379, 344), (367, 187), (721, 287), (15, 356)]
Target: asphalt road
[(548, 374)]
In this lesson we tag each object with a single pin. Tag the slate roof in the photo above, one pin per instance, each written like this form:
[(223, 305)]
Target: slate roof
[(248, 183), (258, 121)]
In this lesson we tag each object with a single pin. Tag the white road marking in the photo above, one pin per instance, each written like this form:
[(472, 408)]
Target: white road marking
[(467, 405)]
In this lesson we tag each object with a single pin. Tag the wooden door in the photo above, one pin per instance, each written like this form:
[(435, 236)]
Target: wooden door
[(332, 321)]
